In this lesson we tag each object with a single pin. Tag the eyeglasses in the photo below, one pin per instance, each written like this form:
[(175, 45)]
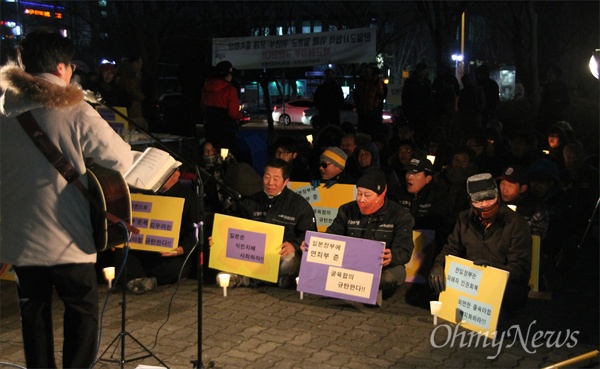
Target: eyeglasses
[(73, 66), (325, 165)]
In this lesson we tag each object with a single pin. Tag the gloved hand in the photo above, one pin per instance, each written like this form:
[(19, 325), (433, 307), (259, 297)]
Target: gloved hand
[(315, 183), (330, 183), (482, 262), (437, 280)]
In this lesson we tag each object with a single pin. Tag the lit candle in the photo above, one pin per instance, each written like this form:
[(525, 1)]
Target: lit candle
[(224, 153), (513, 207), (547, 152), (224, 282), (309, 138), (435, 307), (431, 158), (301, 293), (109, 274)]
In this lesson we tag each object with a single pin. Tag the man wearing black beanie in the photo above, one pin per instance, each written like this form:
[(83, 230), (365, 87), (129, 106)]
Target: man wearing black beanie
[(372, 216)]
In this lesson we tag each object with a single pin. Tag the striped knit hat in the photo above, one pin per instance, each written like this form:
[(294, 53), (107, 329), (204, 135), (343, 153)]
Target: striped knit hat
[(336, 156)]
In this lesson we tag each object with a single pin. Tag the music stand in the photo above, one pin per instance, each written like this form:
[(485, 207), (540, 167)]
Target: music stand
[(124, 332)]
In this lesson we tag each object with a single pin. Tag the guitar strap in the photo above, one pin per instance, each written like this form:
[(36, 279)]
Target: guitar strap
[(62, 164)]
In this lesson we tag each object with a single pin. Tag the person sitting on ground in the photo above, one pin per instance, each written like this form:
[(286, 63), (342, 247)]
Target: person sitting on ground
[(365, 156), (286, 148), (332, 167), (372, 216), (490, 234), (426, 201), (349, 143), (277, 204), (453, 181), (401, 158), (146, 270), (514, 189)]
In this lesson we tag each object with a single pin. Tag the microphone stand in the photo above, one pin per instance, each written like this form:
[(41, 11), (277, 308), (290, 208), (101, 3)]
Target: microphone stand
[(90, 97)]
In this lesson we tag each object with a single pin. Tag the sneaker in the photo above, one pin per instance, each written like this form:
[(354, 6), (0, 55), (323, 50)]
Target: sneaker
[(142, 285)]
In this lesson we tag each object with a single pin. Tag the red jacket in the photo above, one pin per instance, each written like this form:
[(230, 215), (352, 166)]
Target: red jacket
[(219, 93)]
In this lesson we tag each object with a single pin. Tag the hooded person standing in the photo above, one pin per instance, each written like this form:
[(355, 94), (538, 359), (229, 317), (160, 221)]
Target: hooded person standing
[(221, 108)]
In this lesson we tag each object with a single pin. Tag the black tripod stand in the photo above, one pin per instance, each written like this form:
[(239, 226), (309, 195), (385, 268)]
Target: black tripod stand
[(120, 338)]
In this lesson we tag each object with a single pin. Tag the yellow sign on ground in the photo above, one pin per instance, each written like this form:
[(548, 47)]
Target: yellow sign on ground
[(324, 201), (246, 247), (159, 220), (473, 295)]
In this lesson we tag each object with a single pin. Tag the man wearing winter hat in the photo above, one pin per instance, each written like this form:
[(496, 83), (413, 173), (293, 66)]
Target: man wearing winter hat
[(490, 234), (374, 217), (332, 165), (514, 190), (426, 200)]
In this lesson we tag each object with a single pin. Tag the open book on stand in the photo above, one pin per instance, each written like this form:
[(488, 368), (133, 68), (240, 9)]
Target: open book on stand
[(151, 169)]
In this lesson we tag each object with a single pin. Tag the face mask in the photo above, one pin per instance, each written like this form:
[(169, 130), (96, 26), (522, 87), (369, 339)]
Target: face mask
[(487, 213), (368, 208)]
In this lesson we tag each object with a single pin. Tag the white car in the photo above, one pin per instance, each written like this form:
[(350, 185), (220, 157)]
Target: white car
[(291, 111), (347, 114)]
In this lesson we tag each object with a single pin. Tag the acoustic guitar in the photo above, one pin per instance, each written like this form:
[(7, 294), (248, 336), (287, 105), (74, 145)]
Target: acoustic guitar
[(110, 191)]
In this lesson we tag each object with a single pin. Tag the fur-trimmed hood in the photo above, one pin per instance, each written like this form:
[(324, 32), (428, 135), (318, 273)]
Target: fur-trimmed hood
[(22, 91)]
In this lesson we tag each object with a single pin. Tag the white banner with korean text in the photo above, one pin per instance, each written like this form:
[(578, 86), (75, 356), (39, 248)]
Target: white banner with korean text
[(299, 50)]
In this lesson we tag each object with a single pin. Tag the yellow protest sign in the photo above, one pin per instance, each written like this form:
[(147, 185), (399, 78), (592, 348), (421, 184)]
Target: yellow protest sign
[(324, 201), (118, 123), (534, 279), (159, 220), (422, 256), (246, 247), (473, 295)]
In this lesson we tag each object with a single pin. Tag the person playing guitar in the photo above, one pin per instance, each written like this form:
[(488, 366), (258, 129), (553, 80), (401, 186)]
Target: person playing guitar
[(46, 229)]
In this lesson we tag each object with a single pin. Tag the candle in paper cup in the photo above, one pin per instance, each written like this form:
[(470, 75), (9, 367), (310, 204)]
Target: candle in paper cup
[(109, 274), (431, 158), (435, 307), (301, 293), (224, 282), (224, 153), (513, 207), (309, 138)]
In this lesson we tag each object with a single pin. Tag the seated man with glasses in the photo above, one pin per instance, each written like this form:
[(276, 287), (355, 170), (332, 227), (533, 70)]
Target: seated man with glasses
[(332, 165), (286, 148), (490, 234)]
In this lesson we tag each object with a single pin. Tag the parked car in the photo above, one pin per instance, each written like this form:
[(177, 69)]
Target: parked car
[(347, 114), (291, 111)]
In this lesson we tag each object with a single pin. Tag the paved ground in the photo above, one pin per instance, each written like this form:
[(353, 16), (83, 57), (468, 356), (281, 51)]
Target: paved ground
[(268, 327)]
